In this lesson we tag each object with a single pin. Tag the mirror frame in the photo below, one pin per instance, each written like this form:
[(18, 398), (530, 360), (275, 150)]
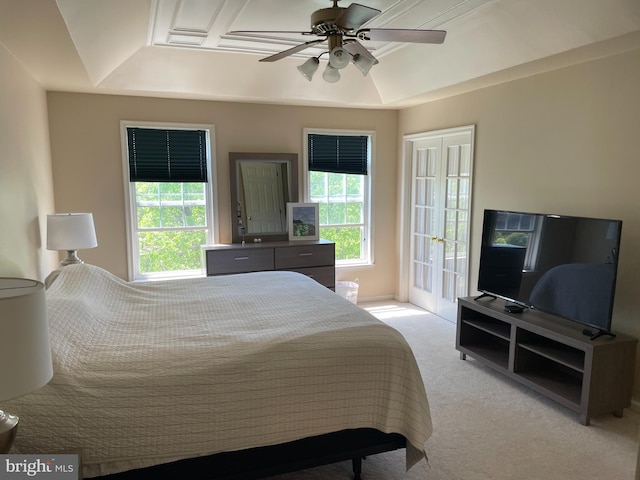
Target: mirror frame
[(291, 159)]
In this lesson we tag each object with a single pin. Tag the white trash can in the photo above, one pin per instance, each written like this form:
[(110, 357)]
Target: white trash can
[(348, 290)]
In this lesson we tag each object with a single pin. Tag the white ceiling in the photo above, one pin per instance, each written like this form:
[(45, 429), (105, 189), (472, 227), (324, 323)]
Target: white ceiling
[(180, 48)]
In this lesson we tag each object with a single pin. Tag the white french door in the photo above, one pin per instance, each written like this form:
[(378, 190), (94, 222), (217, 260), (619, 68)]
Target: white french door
[(441, 169)]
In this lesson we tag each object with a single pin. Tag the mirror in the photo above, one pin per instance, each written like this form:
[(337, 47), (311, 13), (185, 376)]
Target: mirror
[(261, 186)]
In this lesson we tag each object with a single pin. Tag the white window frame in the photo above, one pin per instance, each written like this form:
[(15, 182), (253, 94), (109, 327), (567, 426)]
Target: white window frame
[(212, 230), (367, 246)]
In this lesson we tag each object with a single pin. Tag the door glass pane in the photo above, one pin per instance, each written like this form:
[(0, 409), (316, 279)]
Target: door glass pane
[(422, 277), (448, 287), (430, 196), (452, 193), (418, 254), (449, 261), (461, 286), (417, 275), (449, 256), (431, 162), (428, 279), (453, 161), (463, 193), (421, 192), (461, 233), (421, 164), (450, 224), (428, 221), (461, 259), (465, 160), (420, 220)]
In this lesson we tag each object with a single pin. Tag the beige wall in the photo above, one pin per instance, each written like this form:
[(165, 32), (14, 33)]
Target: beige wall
[(564, 142), (26, 190), (87, 163)]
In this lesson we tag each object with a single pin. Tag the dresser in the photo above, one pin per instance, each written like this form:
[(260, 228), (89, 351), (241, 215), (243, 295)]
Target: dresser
[(316, 259)]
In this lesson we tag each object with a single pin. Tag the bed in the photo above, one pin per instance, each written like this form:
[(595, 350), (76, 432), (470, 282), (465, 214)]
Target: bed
[(153, 375)]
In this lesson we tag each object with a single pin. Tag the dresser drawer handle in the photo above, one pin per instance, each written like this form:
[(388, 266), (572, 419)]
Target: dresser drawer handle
[(307, 254), (241, 258)]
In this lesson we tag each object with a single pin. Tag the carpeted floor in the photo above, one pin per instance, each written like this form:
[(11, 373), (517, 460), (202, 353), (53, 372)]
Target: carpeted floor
[(487, 427)]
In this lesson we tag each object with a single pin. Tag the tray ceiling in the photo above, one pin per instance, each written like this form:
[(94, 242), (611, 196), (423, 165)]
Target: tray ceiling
[(181, 48)]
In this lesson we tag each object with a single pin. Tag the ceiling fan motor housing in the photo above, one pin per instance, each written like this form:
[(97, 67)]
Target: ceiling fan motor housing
[(323, 20)]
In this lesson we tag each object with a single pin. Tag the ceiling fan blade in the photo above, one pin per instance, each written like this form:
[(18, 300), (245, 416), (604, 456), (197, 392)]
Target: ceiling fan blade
[(356, 48), (355, 15), (401, 35), (291, 51), (254, 33)]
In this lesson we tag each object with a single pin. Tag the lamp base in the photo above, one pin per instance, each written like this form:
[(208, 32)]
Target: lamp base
[(8, 430), (72, 258)]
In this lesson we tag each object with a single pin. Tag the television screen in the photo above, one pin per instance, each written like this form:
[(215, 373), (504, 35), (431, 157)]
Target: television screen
[(562, 265)]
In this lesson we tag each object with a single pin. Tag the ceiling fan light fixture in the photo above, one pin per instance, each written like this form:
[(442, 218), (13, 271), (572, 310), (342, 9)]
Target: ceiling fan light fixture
[(341, 28), (339, 57), (331, 74), (364, 64), (309, 67)]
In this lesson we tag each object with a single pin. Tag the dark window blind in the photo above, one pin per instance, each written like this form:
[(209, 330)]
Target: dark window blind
[(158, 155), (338, 153)]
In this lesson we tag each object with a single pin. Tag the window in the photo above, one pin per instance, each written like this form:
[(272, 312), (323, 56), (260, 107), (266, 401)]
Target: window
[(338, 178), (168, 190)]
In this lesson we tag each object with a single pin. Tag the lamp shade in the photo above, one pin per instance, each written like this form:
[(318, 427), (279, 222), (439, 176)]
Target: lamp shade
[(309, 67), (363, 63), (339, 57), (71, 231), (25, 351), (331, 75)]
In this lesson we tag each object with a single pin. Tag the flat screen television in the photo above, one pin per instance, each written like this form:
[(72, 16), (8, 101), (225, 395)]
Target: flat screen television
[(562, 265)]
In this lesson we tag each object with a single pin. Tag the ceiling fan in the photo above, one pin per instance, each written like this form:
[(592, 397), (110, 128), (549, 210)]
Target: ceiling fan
[(341, 28)]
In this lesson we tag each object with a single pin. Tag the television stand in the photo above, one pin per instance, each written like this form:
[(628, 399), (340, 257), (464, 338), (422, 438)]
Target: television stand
[(550, 355)]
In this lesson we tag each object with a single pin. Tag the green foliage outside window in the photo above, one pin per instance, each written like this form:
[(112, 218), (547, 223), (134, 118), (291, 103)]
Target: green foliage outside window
[(170, 250), (169, 215), (347, 240), (341, 211)]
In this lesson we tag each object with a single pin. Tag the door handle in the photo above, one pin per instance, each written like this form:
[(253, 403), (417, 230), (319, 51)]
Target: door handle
[(437, 239)]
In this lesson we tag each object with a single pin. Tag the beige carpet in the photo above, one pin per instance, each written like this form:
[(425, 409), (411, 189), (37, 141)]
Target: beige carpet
[(488, 427)]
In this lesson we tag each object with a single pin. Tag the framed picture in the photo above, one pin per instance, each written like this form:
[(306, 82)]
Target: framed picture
[(302, 219)]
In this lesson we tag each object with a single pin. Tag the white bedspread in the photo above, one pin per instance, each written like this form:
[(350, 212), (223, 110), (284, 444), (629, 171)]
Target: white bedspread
[(154, 372)]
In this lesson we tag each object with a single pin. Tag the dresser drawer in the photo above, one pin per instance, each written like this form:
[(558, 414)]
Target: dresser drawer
[(323, 275), (223, 262), (304, 256)]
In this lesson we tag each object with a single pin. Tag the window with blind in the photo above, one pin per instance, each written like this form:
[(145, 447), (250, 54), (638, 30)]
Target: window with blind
[(169, 193), (338, 165)]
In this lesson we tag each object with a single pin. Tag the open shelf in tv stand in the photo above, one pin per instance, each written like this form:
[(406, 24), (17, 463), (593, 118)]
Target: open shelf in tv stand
[(549, 355)]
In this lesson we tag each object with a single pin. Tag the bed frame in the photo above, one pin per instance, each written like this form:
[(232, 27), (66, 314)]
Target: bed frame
[(260, 462)]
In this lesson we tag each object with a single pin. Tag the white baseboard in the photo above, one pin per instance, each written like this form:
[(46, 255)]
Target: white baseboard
[(381, 298)]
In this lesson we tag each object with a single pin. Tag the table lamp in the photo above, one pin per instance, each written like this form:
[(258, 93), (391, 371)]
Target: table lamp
[(71, 232), (25, 351)]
